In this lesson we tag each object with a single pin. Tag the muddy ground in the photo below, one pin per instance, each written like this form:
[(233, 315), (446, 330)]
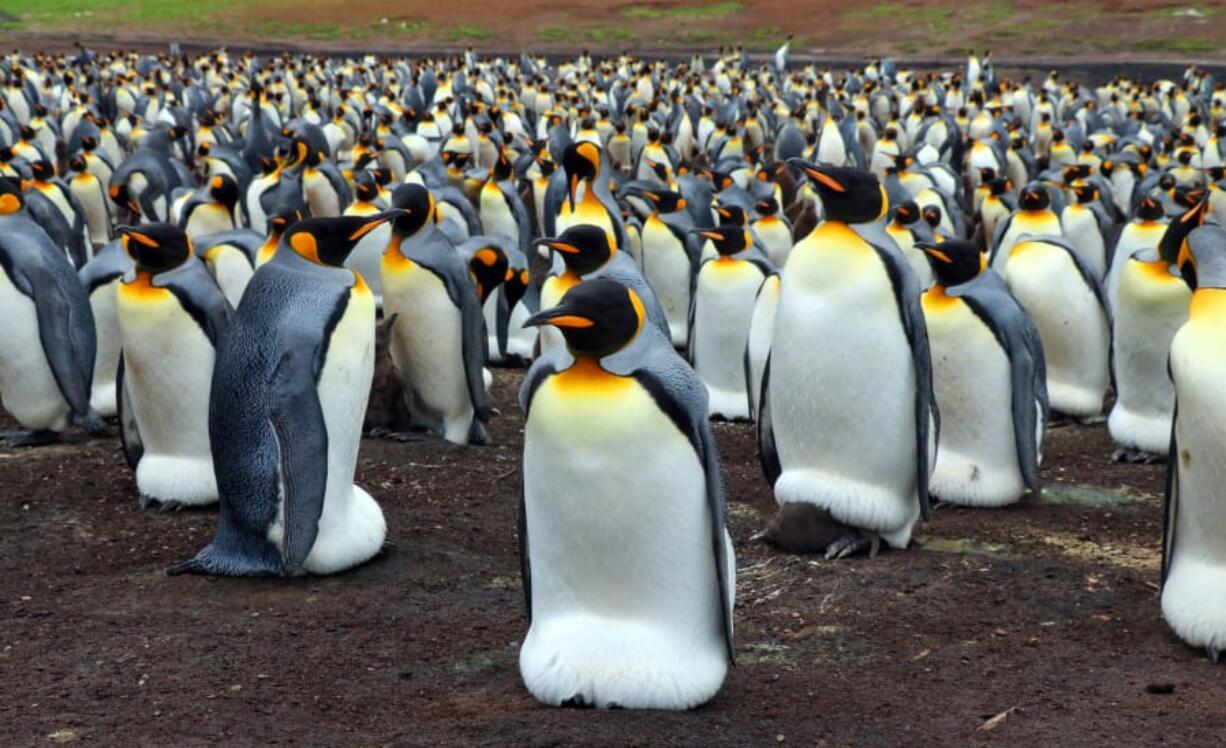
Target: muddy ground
[(1046, 612)]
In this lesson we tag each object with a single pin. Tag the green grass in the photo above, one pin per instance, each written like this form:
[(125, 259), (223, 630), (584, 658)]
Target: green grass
[(467, 32), (1189, 45), (656, 13), (313, 31), (1206, 11)]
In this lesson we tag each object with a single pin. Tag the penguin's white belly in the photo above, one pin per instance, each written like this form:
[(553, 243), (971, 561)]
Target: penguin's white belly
[(168, 370), (210, 218), (777, 240), (97, 219), (105, 307), (977, 455), (351, 525), (1072, 326), (520, 339), (27, 386), (625, 603), (320, 196), (367, 259), (1046, 225), (1081, 229), (489, 312), (257, 219), (666, 267), (496, 216), (231, 270), (1192, 597), (758, 344), (1134, 238), (723, 312), (426, 347), (842, 383), (1150, 309)]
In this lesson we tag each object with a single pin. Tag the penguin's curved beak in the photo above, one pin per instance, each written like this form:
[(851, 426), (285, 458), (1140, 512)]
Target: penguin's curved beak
[(559, 316)]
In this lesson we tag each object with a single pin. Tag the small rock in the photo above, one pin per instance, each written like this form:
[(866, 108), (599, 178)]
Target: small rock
[(63, 736)]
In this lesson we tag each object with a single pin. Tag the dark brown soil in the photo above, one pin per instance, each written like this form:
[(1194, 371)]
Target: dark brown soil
[(1046, 612)]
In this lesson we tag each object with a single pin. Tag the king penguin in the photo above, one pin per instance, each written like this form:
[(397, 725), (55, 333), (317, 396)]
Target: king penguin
[(171, 316), (101, 277), (1151, 304), (848, 369), (629, 571), (48, 346), (1033, 216), (1194, 555), (437, 342), (289, 393), (1069, 306), (669, 257), (990, 381), (721, 314)]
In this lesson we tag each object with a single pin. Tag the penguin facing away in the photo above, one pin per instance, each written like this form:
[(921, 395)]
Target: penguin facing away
[(1194, 558), (838, 491), (990, 381), (629, 572), (171, 316), (289, 392)]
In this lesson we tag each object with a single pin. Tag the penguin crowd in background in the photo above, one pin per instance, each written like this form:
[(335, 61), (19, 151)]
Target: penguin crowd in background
[(900, 277)]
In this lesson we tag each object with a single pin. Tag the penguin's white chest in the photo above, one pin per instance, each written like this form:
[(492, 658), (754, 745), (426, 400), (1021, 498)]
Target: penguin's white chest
[(666, 267), (496, 216), (27, 386), (210, 218), (723, 311), (977, 454), (105, 306), (231, 269), (320, 195)]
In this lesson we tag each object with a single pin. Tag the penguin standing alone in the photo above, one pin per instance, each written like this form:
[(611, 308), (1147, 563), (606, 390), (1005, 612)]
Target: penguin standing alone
[(629, 571), (289, 392)]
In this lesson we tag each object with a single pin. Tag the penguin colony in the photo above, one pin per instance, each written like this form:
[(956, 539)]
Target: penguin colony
[(901, 278)]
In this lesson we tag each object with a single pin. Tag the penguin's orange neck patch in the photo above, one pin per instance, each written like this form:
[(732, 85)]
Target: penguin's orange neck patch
[(1209, 305), (586, 378), (393, 259), (566, 281), (936, 300), (141, 288)]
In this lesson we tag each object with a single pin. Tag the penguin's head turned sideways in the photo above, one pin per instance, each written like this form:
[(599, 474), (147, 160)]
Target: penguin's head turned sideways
[(954, 261), (584, 247), (328, 241), (848, 195), (1173, 246), (156, 247), (597, 317)]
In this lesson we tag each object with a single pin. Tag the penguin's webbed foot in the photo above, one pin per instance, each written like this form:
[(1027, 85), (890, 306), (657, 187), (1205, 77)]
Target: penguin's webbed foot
[(150, 503), (94, 424), (1091, 420), (576, 702), (1137, 457), (406, 437), (18, 439), (854, 542)]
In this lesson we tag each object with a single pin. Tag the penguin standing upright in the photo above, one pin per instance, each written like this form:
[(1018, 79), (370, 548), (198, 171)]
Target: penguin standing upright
[(47, 349), (849, 335), (990, 381), (669, 257), (367, 257), (211, 211), (1067, 303), (1084, 225), (101, 277), (230, 258), (1194, 556), (289, 393), (437, 342), (1033, 216), (171, 316), (629, 571), (720, 317), (1151, 305), (773, 231)]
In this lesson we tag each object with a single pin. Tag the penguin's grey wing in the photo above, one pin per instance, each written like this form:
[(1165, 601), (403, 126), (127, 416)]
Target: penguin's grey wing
[(69, 354), (907, 295), (1001, 229), (199, 296), (989, 299), (297, 419), (129, 431), (1170, 508), (767, 452), (682, 396)]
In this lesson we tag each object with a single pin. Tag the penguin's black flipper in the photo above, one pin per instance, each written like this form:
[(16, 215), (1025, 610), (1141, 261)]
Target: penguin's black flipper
[(302, 444), (66, 348), (1170, 509), (129, 432), (907, 295), (525, 562), (771, 468)]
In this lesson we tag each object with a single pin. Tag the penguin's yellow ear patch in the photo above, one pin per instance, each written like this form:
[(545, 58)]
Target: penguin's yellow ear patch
[(486, 256), (217, 182), (826, 180), (304, 244), (9, 204)]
